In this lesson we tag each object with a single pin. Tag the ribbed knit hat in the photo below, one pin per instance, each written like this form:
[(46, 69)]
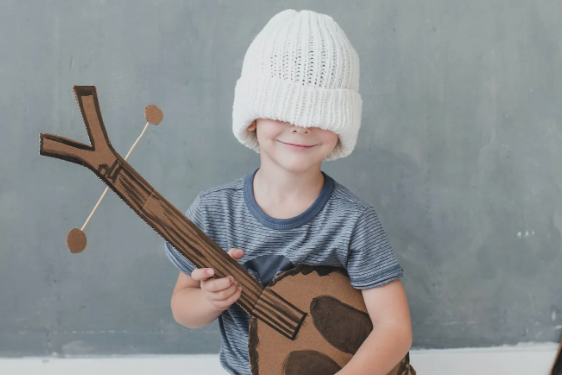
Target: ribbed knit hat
[(301, 69)]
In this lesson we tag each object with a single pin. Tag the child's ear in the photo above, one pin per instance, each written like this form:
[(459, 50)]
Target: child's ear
[(338, 143), (252, 126)]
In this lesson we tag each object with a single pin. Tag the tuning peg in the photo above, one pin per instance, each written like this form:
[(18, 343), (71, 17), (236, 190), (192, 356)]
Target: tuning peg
[(153, 114)]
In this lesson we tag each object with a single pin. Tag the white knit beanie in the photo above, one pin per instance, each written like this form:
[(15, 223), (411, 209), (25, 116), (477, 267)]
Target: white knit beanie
[(301, 69)]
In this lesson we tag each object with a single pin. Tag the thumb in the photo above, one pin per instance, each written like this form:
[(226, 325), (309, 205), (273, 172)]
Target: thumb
[(236, 253)]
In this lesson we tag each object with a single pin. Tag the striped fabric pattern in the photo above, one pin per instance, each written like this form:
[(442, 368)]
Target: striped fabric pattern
[(339, 229)]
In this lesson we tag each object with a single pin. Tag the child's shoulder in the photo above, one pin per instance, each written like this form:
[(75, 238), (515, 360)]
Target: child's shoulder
[(227, 188), (344, 197)]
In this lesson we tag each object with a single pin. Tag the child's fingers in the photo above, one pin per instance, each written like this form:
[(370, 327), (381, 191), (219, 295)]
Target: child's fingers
[(236, 253), (223, 294), (225, 304), (218, 284), (201, 274)]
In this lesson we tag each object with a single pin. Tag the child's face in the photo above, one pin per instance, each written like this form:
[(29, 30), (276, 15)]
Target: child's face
[(273, 136)]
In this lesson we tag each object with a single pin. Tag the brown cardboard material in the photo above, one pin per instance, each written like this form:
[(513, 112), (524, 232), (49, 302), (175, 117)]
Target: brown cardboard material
[(337, 323), (153, 114), (76, 240), (309, 320)]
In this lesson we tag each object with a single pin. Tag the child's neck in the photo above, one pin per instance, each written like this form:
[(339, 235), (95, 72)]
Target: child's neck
[(284, 194)]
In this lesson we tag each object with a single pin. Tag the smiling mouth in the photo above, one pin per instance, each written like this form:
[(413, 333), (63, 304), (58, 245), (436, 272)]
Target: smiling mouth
[(292, 144)]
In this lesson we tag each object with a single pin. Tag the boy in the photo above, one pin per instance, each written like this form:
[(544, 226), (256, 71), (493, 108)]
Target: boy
[(296, 104)]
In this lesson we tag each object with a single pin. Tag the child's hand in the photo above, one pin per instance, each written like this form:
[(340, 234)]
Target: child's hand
[(223, 292)]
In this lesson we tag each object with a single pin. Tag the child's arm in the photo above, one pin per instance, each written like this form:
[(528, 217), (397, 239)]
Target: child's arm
[(197, 301), (391, 338)]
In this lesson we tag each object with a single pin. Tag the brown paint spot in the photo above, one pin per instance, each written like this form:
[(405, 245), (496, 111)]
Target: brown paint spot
[(309, 362), (343, 326)]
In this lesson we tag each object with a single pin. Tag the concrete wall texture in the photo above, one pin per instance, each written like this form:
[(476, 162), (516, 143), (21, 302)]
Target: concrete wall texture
[(459, 152)]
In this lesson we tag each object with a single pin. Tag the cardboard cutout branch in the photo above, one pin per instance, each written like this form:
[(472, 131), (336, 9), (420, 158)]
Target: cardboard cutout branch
[(76, 238), (326, 320)]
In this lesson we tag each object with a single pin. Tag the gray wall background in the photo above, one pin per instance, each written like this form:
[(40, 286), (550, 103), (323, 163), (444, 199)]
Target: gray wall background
[(459, 152)]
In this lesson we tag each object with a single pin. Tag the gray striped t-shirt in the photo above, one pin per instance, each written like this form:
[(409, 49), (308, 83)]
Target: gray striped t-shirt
[(338, 229)]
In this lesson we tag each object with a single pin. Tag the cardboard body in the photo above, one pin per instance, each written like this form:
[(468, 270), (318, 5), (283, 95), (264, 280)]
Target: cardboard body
[(336, 324)]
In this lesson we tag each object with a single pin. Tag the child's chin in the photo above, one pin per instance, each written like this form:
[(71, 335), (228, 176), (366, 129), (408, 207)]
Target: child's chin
[(296, 163)]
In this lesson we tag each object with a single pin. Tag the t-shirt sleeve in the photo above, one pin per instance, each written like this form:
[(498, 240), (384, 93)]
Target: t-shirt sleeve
[(193, 213), (371, 260)]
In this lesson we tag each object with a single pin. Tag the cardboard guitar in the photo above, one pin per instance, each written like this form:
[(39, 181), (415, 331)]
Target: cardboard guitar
[(308, 320)]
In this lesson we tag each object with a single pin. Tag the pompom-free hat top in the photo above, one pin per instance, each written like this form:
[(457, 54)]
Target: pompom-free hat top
[(301, 69)]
